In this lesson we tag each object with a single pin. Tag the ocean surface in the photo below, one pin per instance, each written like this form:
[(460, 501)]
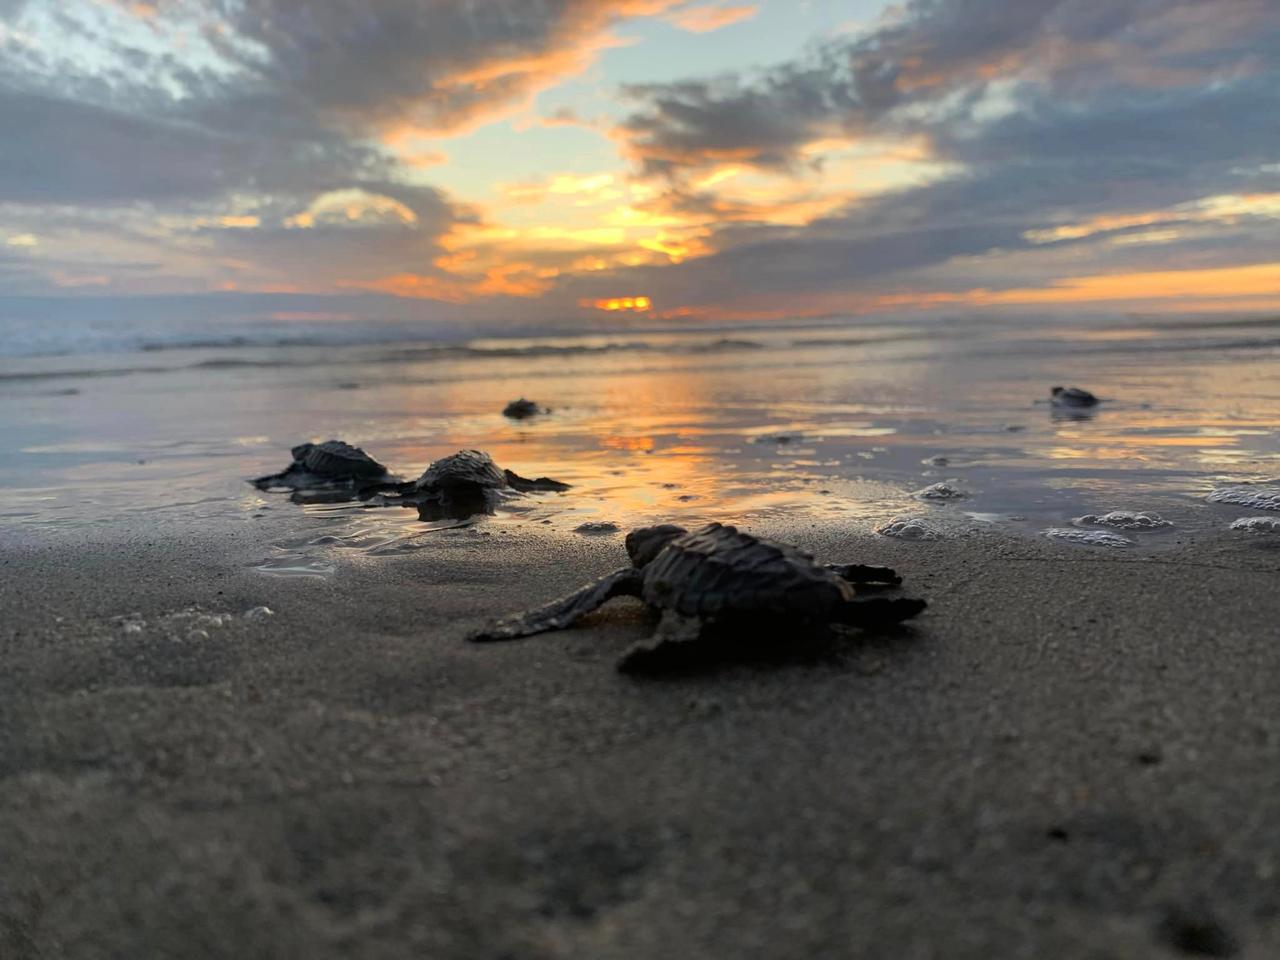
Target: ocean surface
[(146, 428)]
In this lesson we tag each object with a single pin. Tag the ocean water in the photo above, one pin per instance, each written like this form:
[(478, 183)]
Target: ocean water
[(852, 423)]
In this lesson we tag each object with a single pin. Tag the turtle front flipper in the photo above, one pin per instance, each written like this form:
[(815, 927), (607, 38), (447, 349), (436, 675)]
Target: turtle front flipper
[(873, 612), (860, 573), (674, 646), (561, 613)]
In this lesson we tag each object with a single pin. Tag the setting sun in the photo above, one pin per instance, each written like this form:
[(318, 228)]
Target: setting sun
[(613, 304)]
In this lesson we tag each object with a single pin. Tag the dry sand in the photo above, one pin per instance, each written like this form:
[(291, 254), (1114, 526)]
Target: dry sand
[(1073, 753)]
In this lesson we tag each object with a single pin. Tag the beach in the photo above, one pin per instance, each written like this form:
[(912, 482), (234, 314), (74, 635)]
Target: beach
[(237, 726), (1059, 755)]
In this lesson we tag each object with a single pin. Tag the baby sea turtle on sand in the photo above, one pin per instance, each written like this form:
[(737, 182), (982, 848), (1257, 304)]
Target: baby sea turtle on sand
[(718, 577), (456, 486), (332, 466), (466, 483), (1072, 397), (522, 409)]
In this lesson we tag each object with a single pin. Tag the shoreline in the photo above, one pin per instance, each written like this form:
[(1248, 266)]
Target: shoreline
[(1069, 754)]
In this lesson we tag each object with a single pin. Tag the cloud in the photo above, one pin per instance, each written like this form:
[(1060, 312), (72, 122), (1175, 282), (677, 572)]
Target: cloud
[(437, 65), (283, 115), (286, 145), (707, 19), (1043, 112), (938, 64)]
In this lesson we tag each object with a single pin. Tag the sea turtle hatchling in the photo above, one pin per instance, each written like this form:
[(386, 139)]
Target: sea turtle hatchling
[(466, 483), (522, 409), (333, 466), (719, 576), (1072, 397)]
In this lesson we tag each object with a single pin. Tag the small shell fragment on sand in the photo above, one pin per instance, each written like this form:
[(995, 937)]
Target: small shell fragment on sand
[(909, 528), (1089, 538), (1124, 520)]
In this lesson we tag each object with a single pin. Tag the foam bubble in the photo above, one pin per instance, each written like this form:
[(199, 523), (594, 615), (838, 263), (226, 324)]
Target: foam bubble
[(909, 528), (1257, 525), (1089, 538), (940, 491), (1255, 498), (1124, 520)]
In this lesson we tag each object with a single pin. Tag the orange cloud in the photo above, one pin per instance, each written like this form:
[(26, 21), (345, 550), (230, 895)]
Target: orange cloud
[(706, 19), (1262, 279)]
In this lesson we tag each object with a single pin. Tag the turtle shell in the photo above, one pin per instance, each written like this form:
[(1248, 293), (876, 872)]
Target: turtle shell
[(521, 409), (718, 570), (1073, 397), (336, 460), (466, 470)]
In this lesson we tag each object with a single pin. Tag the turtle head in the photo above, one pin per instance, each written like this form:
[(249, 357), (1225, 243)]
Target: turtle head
[(647, 542)]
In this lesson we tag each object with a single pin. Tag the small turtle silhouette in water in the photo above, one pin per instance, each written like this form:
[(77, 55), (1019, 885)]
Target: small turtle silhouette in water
[(1072, 397), (331, 469), (522, 409), (466, 483), (718, 576)]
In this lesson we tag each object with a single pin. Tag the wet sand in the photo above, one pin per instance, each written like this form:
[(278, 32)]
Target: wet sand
[(1073, 753)]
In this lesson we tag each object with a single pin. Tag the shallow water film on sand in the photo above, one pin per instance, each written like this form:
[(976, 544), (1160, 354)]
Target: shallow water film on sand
[(945, 427)]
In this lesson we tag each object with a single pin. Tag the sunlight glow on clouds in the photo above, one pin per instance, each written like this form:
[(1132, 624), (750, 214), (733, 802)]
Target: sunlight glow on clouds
[(486, 155)]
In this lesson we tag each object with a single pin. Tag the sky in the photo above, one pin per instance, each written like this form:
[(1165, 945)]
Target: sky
[(596, 161)]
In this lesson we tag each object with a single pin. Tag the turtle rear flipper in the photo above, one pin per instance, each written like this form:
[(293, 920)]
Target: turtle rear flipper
[(561, 613), (875, 612), (861, 573), (525, 485), (674, 646)]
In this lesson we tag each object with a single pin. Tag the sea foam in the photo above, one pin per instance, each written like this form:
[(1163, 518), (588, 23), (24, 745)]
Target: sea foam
[(1255, 498), (1089, 538), (1124, 520), (909, 528)]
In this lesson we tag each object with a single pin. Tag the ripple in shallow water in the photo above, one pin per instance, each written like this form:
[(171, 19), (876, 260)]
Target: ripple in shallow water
[(1089, 538), (1257, 524), (1124, 520), (909, 528), (297, 567), (1256, 498)]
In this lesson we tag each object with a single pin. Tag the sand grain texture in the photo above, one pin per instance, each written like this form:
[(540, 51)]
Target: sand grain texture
[(1069, 755)]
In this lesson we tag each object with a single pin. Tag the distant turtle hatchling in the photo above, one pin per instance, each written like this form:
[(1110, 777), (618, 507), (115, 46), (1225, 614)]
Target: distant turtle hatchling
[(522, 409), (333, 466), (718, 576), (459, 485), (465, 483), (1072, 397)]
